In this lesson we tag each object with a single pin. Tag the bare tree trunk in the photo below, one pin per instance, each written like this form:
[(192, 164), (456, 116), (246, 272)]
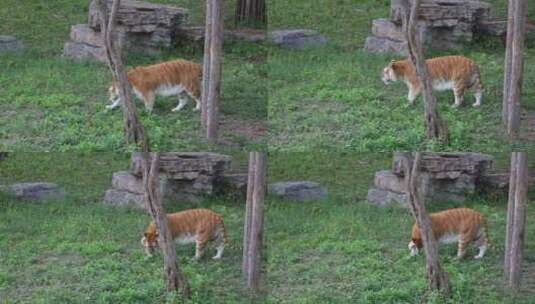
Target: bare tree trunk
[(174, 278), (212, 70), (436, 276), (514, 65), (253, 236), (248, 215), (251, 12), (516, 219), (206, 63), (436, 128), (134, 130)]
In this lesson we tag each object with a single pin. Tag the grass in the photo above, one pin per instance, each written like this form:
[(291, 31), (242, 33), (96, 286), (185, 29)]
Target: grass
[(332, 98), (342, 250), (81, 250), (49, 103)]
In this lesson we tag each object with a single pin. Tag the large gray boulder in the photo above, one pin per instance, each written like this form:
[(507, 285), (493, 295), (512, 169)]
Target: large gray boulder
[(126, 181), (385, 198), (80, 51), (379, 45), (36, 192), (122, 198), (299, 191), (297, 38), (10, 44)]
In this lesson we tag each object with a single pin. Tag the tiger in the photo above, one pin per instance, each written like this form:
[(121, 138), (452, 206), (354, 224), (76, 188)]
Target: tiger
[(198, 226), (165, 79), (456, 73), (462, 225)]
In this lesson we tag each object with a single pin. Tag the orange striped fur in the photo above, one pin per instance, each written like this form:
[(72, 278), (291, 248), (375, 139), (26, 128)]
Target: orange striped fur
[(168, 78), (461, 225), (198, 226), (455, 73)]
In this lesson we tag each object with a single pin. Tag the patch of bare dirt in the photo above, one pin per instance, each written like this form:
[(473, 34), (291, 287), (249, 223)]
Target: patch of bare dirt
[(233, 129)]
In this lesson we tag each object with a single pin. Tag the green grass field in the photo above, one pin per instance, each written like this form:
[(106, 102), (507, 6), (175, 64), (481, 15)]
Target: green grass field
[(49, 103), (342, 250), (332, 98)]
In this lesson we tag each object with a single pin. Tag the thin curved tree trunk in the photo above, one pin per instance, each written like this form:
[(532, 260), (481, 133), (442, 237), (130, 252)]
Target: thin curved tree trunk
[(174, 278), (437, 278), (436, 128), (134, 130)]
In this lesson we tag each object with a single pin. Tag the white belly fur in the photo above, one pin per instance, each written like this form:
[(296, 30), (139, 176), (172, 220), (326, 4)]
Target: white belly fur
[(170, 90), (442, 85), (164, 90), (186, 239), (449, 238)]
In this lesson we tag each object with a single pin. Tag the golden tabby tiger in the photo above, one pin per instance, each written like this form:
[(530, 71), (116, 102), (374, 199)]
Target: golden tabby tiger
[(460, 225), (455, 73), (190, 226), (165, 79)]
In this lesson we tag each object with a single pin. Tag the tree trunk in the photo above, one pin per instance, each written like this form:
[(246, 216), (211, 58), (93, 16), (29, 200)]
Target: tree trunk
[(251, 12), (174, 278), (516, 219), (436, 128), (212, 58), (134, 130), (248, 215), (514, 65), (206, 63), (254, 230), (436, 276)]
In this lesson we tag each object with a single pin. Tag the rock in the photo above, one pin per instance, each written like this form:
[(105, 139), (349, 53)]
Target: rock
[(126, 181), (81, 51), (384, 28), (234, 184), (37, 192), (447, 165), (185, 166), (138, 16), (124, 198), (384, 198), (299, 191), (495, 182), (386, 180), (379, 45), (10, 44), (442, 25), (297, 38), (141, 26)]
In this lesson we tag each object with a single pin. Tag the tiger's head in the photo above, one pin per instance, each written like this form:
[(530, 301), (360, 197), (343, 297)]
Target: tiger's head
[(149, 241), (390, 73), (113, 92), (415, 245)]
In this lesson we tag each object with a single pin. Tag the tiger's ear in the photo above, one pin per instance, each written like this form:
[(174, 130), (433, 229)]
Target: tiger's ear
[(156, 234), (145, 234)]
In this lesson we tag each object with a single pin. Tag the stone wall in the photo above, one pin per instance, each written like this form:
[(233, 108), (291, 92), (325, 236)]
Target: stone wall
[(183, 177), (142, 26), (444, 177), (443, 25)]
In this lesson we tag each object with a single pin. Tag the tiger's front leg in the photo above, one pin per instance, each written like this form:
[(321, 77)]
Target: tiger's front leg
[(413, 94)]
